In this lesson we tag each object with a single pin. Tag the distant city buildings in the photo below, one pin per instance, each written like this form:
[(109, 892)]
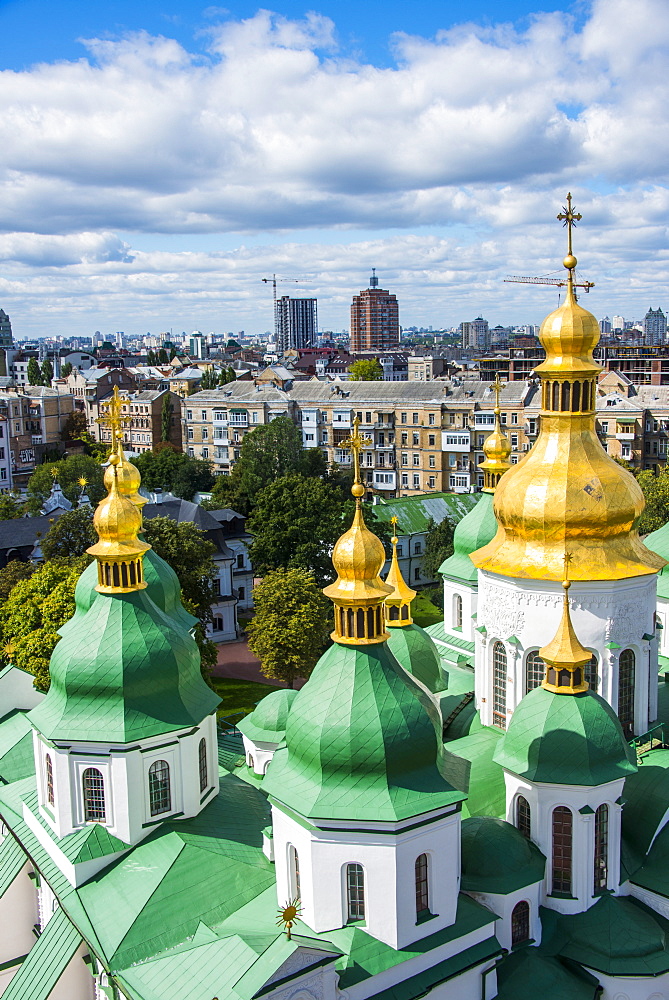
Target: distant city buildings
[(297, 323), (654, 327), (476, 334), (375, 319)]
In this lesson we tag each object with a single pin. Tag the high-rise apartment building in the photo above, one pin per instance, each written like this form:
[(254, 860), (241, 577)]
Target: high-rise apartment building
[(6, 338), (296, 322), (654, 327), (476, 334), (375, 318)]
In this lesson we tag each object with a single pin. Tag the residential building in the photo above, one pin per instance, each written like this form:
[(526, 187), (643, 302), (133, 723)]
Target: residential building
[(476, 334), (6, 336), (655, 328), (91, 385), (297, 322), (36, 416), (425, 367), (142, 414), (375, 319)]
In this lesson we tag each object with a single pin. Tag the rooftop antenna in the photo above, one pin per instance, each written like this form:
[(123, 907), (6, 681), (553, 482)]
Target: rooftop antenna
[(373, 281)]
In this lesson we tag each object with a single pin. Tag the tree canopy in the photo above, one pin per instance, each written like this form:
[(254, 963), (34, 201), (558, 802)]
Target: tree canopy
[(438, 546), (65, 369), (165, 467), (75, 427), (69, 471), (366, 370), (291, 625), (34, 372), (188, 551), (10, 507), (70, 534), (656, 494)]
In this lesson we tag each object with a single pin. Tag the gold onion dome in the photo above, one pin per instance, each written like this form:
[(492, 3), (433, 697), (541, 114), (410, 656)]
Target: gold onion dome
[(564, 656), (126, 475), (398, 602), (358, 557), (118, 550), (496, 448), (567, 493)]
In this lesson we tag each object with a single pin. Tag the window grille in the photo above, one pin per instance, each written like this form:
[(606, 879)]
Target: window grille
[(160, 799), (562, 845), (499, 685), (520, 923), (202, 761), (535, 671), (94, 795), (523, 816), (355, 892), (422, 890), (601, 849), (48, 766), (626, 673)]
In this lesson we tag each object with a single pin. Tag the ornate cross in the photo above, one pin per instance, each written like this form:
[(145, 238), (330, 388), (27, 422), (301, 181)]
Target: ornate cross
[(569, 218), (497, 385), (112, 416), (567, 559), (356, 443)]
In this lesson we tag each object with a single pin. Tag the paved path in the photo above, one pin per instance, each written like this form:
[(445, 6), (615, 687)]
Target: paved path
[(235, 659)]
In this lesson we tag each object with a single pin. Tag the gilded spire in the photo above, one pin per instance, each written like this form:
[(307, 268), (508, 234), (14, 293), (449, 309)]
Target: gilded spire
[(358, 556), (567, 493), (398, 602), (564, 656), (118, 551), (126, 475), (496, 448)]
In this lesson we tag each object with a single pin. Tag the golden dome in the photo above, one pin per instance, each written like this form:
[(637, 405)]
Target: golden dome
[(398, 602), (127, 476), (567, 493), (496, 448), (564, 656), (119, 551)]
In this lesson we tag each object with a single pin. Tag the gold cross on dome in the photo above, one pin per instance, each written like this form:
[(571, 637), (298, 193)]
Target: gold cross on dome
[(112, 416), (497, 385), (569, 218), (356, 443), (567, 559)]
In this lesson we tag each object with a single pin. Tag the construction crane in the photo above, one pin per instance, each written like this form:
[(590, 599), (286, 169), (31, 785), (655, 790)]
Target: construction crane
[(273, 281), (569, 217), (550, 281)]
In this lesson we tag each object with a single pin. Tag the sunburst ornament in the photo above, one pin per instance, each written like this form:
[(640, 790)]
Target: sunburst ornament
[(289, 914), (82, 481), (54, 471), (9, 649)]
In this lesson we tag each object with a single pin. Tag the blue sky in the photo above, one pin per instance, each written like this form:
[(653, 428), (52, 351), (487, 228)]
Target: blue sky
[(160, 159)]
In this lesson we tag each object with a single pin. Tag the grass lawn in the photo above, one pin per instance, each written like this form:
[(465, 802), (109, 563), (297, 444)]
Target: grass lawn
[(424, 612), (239, 696)]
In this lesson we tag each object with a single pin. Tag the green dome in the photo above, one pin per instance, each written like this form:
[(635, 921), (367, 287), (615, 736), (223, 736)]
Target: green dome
[(267, 723), (362, 742), (658, 541), (163, 588), (416, 652), (497, 858), (568, 739), (121, 672), (475, 530), (618, 936)]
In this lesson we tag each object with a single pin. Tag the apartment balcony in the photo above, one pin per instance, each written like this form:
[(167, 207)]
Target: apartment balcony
[(484, 421), (385, 480), (455, 441), (625, 435), (37, 439), (383, 423), (342, 456), (238, 422)]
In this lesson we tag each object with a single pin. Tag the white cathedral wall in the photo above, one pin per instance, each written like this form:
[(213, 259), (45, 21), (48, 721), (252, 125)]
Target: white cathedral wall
[(529, 611), (469, 597), (388, 861), (543, 799), (18, 916), (503, 905), (632, 987), (76, 982)]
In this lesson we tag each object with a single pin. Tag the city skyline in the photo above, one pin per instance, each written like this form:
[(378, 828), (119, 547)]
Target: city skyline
[(160, 162)]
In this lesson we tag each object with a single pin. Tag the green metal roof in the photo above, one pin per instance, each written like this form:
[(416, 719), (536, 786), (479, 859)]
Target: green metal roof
[(528, 972), (46, 961), (654, 872), (123, 672), (363, 741), (267, 723), (497, 858), (487, 791), (17, 757), (658, 541), (565, 739), (89, 843), (414, 514), (415, 650), (473, 532), (647, 799)]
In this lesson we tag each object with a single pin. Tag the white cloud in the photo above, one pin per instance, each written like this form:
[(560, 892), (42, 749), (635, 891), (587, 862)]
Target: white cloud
[(272, 130)]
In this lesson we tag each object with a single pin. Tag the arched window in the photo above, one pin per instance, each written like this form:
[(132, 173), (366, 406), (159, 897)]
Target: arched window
[(520, 923), (535, 671), (94, 795), (355, 892), (160, 799), (601, 849), (590, 671), (499, 685), (457, 611), (626, 691), (422, 889), (202, 763), (523, 816), (295, 872), (249, 760), (562, 842), (48, 768)]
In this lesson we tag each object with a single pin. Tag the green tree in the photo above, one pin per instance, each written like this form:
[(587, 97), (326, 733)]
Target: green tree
[(70, 534), (291, 624), (66, 369), (47, 372), (151, 358), (295, 523), (366, 370), (10, 507), (10, 575), (163, 359), (227, 375), (268, 452), (656, 494), (438, 546), (75, 428), (189, 552), (192, 476), (34, 372), (68, 471), (166, 417)]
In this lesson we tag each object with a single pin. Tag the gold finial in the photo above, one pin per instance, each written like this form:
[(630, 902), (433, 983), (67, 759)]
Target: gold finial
[(288, 914), (496, 447), (565, 657), (355, 443), (119, 551), (82, 481), (112, 416), (54, 472), (398, 602), (497, 387), (569, 218)]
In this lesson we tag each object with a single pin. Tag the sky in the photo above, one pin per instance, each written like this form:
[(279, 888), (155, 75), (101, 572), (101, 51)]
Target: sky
[(159, 159)]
